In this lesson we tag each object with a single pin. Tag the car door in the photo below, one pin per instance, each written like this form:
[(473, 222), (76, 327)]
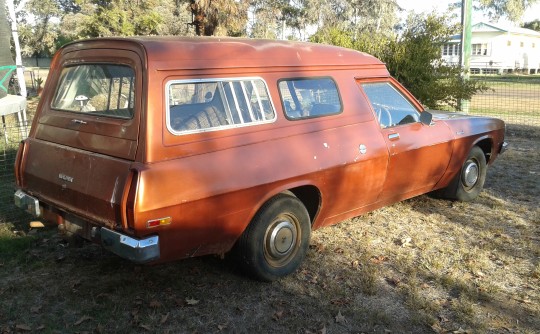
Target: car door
[(418, 153)]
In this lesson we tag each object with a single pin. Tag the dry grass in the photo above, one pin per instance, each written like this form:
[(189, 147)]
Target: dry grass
[(420, 266)]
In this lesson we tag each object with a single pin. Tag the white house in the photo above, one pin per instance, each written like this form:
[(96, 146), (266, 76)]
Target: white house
[(497, 49)]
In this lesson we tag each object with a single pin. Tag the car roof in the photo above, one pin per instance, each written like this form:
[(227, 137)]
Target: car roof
[(216, 52)]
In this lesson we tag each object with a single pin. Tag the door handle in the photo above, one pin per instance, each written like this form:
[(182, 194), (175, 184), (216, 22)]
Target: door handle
[(393, 136)]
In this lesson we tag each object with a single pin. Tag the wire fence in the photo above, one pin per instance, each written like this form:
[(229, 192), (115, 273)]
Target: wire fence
[(11, 132), (515, 99)]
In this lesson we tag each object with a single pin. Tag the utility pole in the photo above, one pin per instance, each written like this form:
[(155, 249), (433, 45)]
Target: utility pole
[(465, 56)]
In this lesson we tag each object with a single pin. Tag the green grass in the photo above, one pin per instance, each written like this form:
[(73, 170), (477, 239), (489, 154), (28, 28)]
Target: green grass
[(528, 79)]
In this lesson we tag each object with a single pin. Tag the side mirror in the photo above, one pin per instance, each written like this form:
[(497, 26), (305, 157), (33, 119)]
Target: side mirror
[(426, 117)]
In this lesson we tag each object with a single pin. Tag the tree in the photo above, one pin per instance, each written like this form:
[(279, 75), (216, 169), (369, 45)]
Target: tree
[(377, 17), (512, 9), (97, 18), (5, 52), (219, 17), (413, 58), (38, 36), (334, 36), (265, 19), (175, 18), (278, 17), (533, 25)]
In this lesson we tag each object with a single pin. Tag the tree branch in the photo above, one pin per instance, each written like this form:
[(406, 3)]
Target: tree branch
[(21, 6)]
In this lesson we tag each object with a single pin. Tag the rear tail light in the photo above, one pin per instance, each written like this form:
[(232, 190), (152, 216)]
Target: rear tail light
[(128, 200), (159, 222)]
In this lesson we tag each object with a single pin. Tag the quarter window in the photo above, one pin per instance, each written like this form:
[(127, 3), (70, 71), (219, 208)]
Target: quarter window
[(207, 105), (391, 108), (99, 89), (306, 98)]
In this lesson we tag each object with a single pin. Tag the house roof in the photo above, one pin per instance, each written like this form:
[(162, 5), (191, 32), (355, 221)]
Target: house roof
[(490, 27), (493, 27)]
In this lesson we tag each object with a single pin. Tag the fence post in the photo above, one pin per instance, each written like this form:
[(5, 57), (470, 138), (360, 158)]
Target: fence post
[(465, 56)]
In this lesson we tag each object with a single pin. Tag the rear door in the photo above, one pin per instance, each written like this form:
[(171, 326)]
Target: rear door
[(86, 134)]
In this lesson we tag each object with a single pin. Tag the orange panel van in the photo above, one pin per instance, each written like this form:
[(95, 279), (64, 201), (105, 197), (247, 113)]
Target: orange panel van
[(168, 148)]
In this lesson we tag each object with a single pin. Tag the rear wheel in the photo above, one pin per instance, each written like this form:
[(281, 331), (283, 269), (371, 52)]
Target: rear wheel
[(467, 185), (276, 241)]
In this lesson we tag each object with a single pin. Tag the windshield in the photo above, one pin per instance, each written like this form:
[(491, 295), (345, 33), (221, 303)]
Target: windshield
[(101, 89)]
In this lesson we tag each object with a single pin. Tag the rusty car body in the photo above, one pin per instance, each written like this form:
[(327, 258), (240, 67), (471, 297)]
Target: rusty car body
[(168, 148)]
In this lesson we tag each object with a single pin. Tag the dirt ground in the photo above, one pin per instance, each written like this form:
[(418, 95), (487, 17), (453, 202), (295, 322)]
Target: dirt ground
[(420, 266)]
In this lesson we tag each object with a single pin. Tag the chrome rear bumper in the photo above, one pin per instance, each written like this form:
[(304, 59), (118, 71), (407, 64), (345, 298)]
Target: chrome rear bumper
[(136, 250), (27, 202)]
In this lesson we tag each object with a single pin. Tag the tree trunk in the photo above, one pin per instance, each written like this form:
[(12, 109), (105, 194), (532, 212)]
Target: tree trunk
[(5, 51), (198, 18), (18, 59)]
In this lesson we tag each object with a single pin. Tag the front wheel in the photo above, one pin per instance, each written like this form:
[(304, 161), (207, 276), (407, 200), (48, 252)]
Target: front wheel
[(467, 185), (276, 241)]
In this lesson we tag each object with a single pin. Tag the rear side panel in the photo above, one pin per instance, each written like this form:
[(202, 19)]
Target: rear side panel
[(81, 182)]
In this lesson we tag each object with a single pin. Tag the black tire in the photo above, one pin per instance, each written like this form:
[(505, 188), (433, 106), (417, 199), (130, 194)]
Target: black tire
[(469, 182), (277, 239)]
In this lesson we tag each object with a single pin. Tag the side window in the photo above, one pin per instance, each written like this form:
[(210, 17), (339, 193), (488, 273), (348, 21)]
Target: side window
[(309, 97), (207, 105), (391, 108)]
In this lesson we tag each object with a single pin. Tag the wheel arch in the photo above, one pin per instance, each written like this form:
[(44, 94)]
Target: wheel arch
[(310, 196), (486, 145)]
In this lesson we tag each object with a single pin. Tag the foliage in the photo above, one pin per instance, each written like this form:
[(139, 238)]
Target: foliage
[(333, 36), (38, 36), (97, 18), (512, 9), (219, 17), (533, 25), (413, 58)]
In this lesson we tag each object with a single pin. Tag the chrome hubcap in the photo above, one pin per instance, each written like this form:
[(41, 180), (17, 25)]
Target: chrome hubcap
[(470, 174), (281, 239)]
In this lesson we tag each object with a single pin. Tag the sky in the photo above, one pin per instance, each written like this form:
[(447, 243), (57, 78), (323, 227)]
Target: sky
[(441, 5)]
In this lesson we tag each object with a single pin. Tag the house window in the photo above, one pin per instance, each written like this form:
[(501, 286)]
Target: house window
[(509, 43), (445, 49), (457, 49), (451, 49), (533, 45), (479, 49), (521, 44)]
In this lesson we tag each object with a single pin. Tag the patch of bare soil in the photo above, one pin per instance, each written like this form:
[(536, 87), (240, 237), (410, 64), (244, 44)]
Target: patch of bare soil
[(420, 266)]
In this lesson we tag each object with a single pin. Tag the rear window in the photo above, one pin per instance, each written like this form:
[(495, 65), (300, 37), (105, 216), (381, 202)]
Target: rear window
[(214, 104), (309, 97), (100, 89)]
